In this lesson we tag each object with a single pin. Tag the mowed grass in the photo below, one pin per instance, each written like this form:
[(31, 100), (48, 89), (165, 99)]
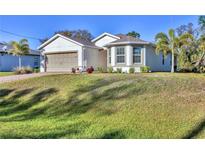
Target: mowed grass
[(6, 73), (154, 105)]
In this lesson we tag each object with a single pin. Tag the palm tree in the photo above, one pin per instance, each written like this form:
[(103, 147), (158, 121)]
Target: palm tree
[(186, 49), (201, 22), (19, 49), (167, 44), (201, 48)]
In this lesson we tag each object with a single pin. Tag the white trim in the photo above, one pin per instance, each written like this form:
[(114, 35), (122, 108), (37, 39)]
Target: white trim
[(144, 55), (113, 58), (53, 52), (56, 36), (104, 34), (127, 43)]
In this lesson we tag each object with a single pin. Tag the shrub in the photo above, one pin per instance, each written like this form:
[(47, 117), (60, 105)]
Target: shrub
[(23, 70), (73, 70), (90, 70), (100, 69), (145, 69), (119, 70), (186, 70), (132, 70), (201, 69), (110, 69), (36, 70)]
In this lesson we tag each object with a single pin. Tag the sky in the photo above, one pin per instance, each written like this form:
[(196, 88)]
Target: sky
[(41, 27)]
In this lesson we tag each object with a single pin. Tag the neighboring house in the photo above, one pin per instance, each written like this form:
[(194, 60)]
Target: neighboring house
[(61, 53), (8, 62)]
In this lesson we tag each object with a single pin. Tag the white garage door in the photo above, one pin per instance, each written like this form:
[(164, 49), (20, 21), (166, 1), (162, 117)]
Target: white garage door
[(59, 62)]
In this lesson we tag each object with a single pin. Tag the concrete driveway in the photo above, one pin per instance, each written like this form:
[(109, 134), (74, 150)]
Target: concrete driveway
[(11, 78)]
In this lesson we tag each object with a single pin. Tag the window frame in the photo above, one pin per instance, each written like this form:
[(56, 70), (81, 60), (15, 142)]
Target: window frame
[(133, 55), (163, 59), (120, 55), (36, 61)]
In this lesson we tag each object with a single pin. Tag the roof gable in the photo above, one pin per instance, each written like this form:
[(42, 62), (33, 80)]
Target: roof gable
[(76, 41), (104, 34), (55, 37)]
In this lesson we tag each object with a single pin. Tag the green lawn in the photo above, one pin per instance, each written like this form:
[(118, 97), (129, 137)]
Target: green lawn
[(6, 73), (155, 105)]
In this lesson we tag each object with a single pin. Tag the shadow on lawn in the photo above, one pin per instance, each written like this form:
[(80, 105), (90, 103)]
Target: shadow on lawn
[(116, 134), (48, 133), (195, 131), (79, 101), (12, 105), (95, 98), (5, 92), (74, 104)]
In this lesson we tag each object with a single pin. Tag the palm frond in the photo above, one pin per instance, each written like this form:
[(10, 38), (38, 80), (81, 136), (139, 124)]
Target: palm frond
[(19, 48), (171, 34), (161, 36)]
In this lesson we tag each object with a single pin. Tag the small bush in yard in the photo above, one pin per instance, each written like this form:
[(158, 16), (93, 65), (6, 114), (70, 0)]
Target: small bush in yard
[(145, 69), (23, 70), (201, 69), (132, 70), (100, 69), (119, 70), (90, 70), (36, 70), (73, 70), (110, 70)]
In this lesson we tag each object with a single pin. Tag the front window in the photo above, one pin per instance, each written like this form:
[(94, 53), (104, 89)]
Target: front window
[(137, 55), (120, 54), (36, 62), (109, 56), (162, 59)]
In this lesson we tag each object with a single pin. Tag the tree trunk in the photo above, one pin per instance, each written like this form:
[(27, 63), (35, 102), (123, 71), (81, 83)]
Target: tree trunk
[(172, 70), (19, 61)]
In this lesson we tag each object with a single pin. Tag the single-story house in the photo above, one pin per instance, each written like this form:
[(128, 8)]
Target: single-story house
[(61, 53), (8, 61)]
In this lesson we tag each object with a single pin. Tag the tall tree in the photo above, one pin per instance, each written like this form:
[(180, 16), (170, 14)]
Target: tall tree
[(187, 47), (201, 22), (201, 51), (134, 34), (167, 44), (80, 34), (189, 28), (19, 49)]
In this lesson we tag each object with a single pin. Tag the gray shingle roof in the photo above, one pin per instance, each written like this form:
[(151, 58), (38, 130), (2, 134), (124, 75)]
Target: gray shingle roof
[(6, 47), (124, 39)]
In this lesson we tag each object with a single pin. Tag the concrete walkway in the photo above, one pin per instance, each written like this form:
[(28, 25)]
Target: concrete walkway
[(11, 78)]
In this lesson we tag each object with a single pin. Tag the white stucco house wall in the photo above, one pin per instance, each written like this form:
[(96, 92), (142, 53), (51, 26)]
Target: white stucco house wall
[(8, 62), (61, 53)]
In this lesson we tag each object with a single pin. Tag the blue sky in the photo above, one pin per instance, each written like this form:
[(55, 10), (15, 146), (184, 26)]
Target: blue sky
[(45, 26)]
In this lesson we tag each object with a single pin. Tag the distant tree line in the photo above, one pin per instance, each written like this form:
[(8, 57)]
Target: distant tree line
[(80, 34)]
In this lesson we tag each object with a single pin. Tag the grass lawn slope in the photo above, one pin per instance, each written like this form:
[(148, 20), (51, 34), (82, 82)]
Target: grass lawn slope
[(155, 105)]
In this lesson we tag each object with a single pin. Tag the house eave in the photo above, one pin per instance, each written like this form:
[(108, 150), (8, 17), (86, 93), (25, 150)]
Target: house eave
[(127, 43)]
